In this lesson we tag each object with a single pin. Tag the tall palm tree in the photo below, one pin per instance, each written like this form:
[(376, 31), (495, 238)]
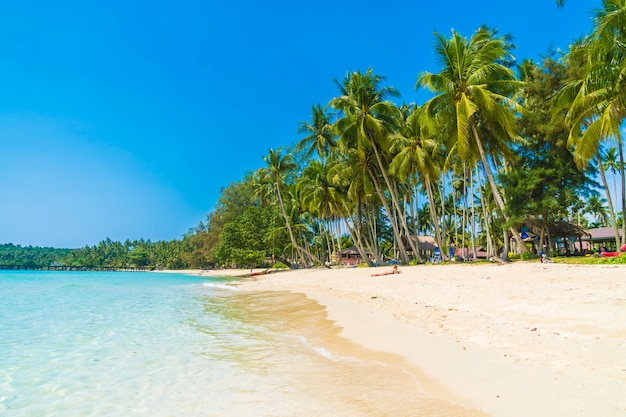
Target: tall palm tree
[(317, 195), (366, 124), (475, 91), (416, 154), (278, 167), (597, 97), (354, 197), (608, 161), (611, 163)]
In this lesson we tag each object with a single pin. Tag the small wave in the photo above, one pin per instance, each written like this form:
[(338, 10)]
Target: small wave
[(229, 287), (322, 351)]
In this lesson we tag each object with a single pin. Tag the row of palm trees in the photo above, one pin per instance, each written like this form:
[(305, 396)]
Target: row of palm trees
[(364, 161)]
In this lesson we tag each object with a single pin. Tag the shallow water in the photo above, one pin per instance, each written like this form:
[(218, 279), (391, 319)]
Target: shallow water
[(146, 344)]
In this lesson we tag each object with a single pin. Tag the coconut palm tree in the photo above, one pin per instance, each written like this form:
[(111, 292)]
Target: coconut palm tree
[(279, 166), (366, 124), (355, 198), (611, 163), (608, 161), (416, 154), (596, 98), (317, 196), (475, 91), (320, 137), (596, 206)]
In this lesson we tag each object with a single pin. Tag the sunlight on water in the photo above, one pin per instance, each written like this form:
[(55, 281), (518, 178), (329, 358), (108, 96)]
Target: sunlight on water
[(145, 344)]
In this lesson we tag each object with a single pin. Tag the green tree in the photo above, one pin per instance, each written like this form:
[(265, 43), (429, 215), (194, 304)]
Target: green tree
[(244, 241), (367, 122), (320, 137), (475, 91), (595, 95), (545, 183)]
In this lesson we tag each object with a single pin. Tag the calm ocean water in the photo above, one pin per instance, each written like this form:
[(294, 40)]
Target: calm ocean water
[(147, 344)]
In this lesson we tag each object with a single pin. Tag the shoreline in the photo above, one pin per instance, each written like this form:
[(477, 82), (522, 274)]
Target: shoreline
[(510, 340)]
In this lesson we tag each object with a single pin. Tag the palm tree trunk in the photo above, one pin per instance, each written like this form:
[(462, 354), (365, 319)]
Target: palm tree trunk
[(443, 230), (394, 226), (473, 211), (355, 235), (490, 248), (464, 229), (608, 197), (494, 188), (433, 211), (394, 201), (288, 224), (621, 164)]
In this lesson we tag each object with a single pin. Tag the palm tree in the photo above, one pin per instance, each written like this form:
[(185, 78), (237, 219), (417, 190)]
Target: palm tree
[(317, 196), (596, 206), (596, 97), (610, 163), (474, 97), (278, 167), (416, 154), (366, 125), (320, 138), (354, 197)]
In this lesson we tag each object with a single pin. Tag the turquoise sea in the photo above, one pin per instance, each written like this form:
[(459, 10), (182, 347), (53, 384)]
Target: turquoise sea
[(149, 344)]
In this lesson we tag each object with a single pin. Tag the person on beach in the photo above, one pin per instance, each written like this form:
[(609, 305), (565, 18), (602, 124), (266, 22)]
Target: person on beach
[(392, 272)]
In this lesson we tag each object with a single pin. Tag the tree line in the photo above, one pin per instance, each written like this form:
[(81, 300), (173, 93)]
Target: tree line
[(109, 254), (499, 143)]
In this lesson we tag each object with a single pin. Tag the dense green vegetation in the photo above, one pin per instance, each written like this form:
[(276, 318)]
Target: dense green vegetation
[(106, 254), (498, 143)]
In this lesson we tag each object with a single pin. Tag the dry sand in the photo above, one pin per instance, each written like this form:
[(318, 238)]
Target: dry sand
[(522, 339)]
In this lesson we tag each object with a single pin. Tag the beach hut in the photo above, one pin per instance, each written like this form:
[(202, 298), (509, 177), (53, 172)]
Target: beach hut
[(350, 256), (466, 254), (602, 237), (426, 245), (557, 236)]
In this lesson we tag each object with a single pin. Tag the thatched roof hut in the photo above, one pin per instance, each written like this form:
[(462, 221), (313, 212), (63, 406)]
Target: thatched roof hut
[(556, 229), (424, 243), (548, 233)]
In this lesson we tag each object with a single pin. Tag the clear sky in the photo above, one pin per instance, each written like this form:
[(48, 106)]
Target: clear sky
[(123, 119)]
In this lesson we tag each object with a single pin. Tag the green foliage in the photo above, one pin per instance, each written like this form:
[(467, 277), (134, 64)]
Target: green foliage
[(279, 265), (249, 239), (106, 254), (11, 254), (545, 183), (526, 256)]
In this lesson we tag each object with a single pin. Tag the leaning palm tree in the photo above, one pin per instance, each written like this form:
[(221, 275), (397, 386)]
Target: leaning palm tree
[(416, 155), (610, 162), (366, 125), (596, 97), (278, 167), (475, 91)]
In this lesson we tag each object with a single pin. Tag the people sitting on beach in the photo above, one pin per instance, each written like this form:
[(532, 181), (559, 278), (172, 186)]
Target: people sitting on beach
[(393, 271)]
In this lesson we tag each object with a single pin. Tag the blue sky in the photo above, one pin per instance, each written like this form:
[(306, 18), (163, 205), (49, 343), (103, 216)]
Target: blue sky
[(123, 119)]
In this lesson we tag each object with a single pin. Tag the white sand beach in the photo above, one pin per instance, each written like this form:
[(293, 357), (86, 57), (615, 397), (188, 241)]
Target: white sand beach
[(515, 340)]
